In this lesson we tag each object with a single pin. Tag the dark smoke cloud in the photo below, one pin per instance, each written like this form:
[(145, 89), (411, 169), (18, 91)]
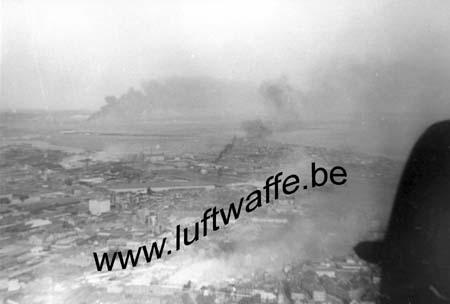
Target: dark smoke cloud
[(283, 101), (187, 97), (228, 147), (257, 128)]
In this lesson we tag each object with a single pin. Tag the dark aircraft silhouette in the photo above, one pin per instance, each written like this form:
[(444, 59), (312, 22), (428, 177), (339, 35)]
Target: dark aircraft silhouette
[(415, 253)]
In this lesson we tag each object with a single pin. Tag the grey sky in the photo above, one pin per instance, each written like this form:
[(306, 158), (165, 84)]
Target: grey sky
[(70, 54)]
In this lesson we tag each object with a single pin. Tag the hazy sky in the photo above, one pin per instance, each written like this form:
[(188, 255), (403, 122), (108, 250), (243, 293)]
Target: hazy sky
[(70, 54)]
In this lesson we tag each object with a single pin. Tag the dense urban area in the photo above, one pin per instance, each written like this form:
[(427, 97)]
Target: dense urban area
[(125, 125), (58, 206)]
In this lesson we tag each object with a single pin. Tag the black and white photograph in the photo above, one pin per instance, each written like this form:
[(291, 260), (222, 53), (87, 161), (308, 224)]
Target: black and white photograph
[(225, 152)]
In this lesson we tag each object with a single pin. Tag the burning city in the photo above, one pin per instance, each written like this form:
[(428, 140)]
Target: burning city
[(60, 204)]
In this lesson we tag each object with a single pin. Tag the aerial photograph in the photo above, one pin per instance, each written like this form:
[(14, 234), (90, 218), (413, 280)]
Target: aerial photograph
[(225, 152)]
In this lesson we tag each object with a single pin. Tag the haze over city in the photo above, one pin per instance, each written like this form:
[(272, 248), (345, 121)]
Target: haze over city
[(121, 120)]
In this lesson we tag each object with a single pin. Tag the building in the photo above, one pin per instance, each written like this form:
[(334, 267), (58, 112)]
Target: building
[(91, 181), (159, 186), (319, 294), (156, 157), (97, 207), (129, 188), (329, 272)]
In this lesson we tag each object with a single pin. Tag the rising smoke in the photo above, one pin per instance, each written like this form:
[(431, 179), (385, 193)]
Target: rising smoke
[(283, 101)]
